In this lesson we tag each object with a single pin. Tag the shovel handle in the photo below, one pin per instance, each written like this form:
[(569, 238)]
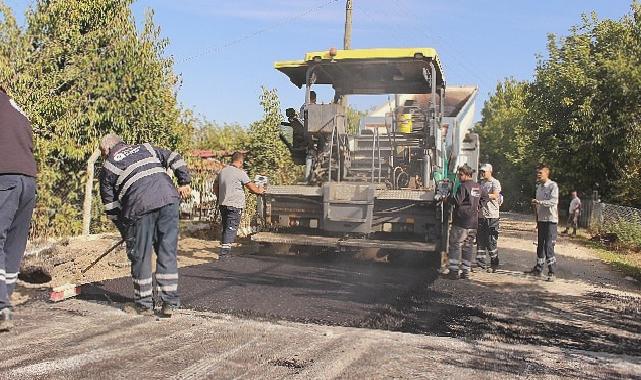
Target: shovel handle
[(103, 255)]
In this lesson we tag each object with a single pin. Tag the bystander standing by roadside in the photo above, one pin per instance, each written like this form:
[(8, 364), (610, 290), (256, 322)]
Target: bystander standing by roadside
[(547, 215), (573, 214)]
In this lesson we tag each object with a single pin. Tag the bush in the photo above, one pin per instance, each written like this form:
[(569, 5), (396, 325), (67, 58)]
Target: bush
[(628, 234)]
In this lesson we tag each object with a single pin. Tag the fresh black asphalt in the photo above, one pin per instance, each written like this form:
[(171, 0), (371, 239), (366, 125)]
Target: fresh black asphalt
[(320, 289)]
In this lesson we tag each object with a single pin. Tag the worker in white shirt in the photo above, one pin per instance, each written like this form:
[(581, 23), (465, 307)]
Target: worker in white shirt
[(573, 214)]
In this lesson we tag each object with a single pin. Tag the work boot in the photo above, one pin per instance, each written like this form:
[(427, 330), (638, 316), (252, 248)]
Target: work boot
[(167, 310), (551, 277), (534, 272), (494, 265), (453, 275), (465, 275), (6, 319), (138, 309)]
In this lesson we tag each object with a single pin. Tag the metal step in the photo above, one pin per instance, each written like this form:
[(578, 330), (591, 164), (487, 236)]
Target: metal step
[(368, 145), (386, 142), (368, 164), (363, 156), (365, 169), (365, 177)]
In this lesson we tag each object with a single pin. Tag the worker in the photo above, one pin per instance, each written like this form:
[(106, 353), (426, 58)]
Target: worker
[(466, 201), (312, 100), (488, 231), (228, 188), (547, 216), (17, 198), (141, 199), (310, 154), (573, 214)]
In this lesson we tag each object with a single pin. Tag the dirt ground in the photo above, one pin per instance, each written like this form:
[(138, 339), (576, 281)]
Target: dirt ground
[(587, 324), (64, 260)]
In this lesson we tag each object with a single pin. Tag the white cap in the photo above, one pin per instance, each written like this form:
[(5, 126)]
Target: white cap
[(486, 168)]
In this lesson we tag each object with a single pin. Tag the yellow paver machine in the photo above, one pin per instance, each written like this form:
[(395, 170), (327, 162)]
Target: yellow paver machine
[(382, 185)]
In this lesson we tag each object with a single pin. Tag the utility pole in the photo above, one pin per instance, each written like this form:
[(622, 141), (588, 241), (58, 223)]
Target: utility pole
[(347, 39)]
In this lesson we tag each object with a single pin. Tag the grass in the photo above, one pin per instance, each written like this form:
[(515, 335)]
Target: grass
[(624, 253), (624, 260), (628, 234)]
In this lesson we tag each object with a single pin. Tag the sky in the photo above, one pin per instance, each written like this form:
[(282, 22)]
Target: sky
[(224, 50)]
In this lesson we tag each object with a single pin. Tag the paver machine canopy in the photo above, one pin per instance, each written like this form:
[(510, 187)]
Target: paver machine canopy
[(320, 139)]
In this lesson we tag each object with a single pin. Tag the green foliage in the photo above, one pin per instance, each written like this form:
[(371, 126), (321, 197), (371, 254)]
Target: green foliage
[(628, 234), (354, 117), (267, 154), (507, 144), (580, 114), (229, 137), (80, 69), (627, 262)]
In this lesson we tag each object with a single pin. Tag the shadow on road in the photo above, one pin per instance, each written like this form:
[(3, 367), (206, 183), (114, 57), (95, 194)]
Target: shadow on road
[(341, 291)]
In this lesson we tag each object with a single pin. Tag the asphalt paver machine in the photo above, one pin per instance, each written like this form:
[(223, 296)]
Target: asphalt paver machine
[(382, 185)]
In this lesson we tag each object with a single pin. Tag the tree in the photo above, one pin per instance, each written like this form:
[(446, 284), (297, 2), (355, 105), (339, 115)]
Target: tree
[(267, 153), (209, 135), (584, 105), (581, 112), (354, 117), (80, 70), (507, 144)]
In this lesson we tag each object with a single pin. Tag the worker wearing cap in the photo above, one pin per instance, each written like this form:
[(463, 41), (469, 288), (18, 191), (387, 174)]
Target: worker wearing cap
[(488, 231), (140, 197), (229, 189), (17, 198)]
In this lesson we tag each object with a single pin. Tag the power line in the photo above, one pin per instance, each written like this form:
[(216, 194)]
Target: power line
[(445, 44), (399, 33), (288, 20)]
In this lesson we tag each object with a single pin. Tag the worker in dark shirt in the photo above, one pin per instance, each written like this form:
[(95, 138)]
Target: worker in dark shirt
[(17, 198), (141, 199), (467, 202)]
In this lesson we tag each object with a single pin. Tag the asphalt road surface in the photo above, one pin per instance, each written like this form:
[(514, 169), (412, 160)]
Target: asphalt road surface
[(329, 290), (240, 320)]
